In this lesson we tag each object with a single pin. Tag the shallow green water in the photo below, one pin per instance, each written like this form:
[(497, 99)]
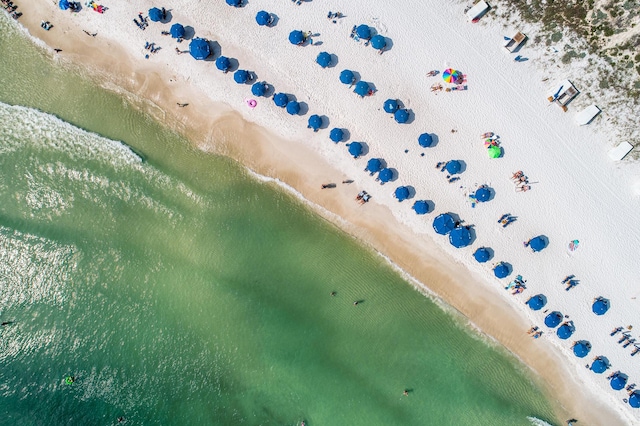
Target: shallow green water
[(180, 291)]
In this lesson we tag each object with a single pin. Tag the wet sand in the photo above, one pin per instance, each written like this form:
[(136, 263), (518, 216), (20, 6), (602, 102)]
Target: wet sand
[(217, 128)]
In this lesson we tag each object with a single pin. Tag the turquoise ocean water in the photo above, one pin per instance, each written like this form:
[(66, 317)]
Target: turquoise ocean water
[(179, 291)]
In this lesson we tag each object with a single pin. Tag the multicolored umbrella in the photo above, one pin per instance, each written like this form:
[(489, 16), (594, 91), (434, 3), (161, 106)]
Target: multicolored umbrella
[(494, 151), (451, 76)]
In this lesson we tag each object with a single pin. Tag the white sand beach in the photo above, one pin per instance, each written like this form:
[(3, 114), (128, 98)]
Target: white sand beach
[(576, 192)]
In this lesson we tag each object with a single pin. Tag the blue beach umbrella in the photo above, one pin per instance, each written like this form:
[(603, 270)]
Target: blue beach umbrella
[(363, 31), (385, 175), (453, 167), (618, 381), (223, 63), (280, 99), (315, 122), (565, 331), (355, 149), (421, 207), (263, 18), (553, 319), (401, 193), (257, 89), (374, 165), (323, 59), (483, 194), (581, 348), (401, 116), (501, 270), (460, 237), (600, 306), (347, 77), (482, 255), (177, 31), (361, 89), (391, 106), (293, 107), (444, 223), (537, 302), (538, 243), (63, 4), (155, 14), (336, 135), (634, 399), (296, 37), (199, 48), (425, 140), (600, 365), (378, 42), (241, 76), (234, 3)]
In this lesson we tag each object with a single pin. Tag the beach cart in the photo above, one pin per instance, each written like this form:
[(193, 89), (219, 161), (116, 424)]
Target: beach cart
[(587, 115), (476, 12), (514, 42), (563, 94), (621, 151)]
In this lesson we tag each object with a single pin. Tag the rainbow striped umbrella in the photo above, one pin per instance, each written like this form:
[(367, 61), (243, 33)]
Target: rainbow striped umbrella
[(451, 76)]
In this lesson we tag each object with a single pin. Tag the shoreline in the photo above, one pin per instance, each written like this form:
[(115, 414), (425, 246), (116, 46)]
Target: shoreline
[(304, 169)]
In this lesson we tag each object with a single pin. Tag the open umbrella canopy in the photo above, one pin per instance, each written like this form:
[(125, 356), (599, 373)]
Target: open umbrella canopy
[(390, 106), (293, 107), (296, 37), (361, 89), (501, 270), (538, 243), (378, 42), (421, 207), (315, 122), (223, 63), (600, 365), (618, 381), (355, 149), (257, 89), (263, 18), (177, 30), (155, 14), (241, 76), (401, 193), (494, 151), (234, 3), (336, 135), (323, 59), (199, 48), (280, 99), (565, 331), (347, 77), (374, 165), (385, 175), (483, 194), (363, 31), (553, 319), (401, 116), (600, 306), (482, 255), (453, 167), (537, 302), (581, 348), (444, 223), (460, 237), (634, 399), (63, 4), (451, 76), (425, 140)]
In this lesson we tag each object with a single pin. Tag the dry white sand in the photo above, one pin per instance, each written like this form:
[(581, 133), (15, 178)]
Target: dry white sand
[(576, 191)]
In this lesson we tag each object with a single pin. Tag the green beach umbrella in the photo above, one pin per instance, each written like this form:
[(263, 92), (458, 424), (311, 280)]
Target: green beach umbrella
[(493, 151)]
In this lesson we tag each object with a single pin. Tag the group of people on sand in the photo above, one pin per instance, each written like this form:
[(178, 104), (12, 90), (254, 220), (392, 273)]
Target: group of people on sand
[(517, 286), (534, 332), (570, 281), (143, 24), (363, 197), (11, 8), (521, 181), (507, 219)]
